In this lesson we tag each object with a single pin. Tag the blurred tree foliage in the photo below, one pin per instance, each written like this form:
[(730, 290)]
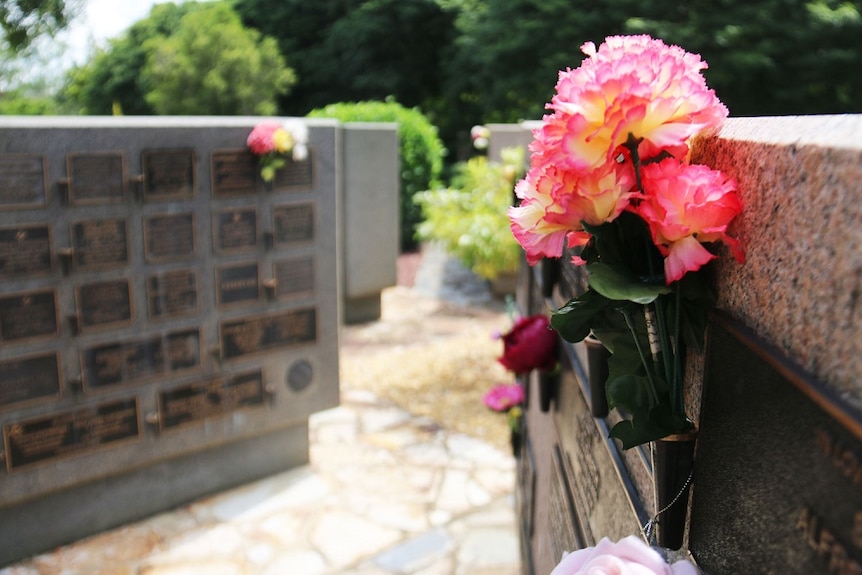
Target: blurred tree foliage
[(192, 58), (465, 62), (24, 20)]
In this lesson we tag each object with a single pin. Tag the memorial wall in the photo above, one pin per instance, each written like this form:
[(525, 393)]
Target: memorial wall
[(776, 393), (168, 321)]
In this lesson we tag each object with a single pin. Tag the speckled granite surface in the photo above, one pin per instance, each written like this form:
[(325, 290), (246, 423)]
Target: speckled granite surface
[(800, 179)]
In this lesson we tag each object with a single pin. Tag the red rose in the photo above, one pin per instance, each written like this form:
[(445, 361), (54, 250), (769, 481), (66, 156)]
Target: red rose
[(530, 344)]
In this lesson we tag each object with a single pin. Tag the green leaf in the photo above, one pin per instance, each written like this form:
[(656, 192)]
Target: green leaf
[(618, 284), (630, 392), (574, 320)]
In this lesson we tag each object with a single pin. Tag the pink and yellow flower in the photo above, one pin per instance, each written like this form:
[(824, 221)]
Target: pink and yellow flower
[(555, 203), (262, 139), (630, 86), (686, 206)]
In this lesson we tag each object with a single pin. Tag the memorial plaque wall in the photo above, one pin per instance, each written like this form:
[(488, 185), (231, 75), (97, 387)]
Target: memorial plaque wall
[(157, 301)]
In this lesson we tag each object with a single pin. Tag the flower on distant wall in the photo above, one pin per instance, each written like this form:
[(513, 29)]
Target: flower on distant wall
[(530, 344), (273, 141), (628, 556), (481, 137), (504, 396)]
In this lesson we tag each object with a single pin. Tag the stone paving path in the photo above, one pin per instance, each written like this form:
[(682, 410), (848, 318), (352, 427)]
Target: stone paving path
[(387, 492)]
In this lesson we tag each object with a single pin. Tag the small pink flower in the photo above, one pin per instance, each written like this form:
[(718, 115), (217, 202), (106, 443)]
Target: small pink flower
[(686, 206), (261, 140), (530, 344), (628, 556), (504, 396)]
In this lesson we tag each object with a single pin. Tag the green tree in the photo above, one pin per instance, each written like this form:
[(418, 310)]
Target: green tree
[(354, 50), (112, 78), (213, 65), (24, 20)]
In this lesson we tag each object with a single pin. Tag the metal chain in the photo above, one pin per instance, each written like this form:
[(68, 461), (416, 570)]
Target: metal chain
[(648, 528)]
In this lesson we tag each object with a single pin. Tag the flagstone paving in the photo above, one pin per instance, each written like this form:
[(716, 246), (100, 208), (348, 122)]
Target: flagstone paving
[(386, 492)]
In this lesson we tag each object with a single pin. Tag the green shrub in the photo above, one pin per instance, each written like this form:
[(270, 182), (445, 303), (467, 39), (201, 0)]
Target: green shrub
[(469, 218), (421, 153)]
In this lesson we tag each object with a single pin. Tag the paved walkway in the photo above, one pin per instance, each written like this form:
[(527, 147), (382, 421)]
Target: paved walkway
[(386, 492)]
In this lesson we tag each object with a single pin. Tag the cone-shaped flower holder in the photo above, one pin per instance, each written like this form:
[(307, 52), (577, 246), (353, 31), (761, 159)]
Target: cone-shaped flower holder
[(673, 462), (597, 369)]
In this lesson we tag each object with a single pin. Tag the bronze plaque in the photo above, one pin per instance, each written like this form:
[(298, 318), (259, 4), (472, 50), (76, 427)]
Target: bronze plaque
[(30, 378), (778, 475), (28, 315), (104, 303), (235, 230), (237, 284), (264, 333), (96, 178), (169, 237), (562, 525), (70, 433), (100, 243), (22, 181), (235, 173), (293, 224), (168, 174), (294, 175), (25, 250), (172, 293), (209, 399), (125, 362), (294, 277)]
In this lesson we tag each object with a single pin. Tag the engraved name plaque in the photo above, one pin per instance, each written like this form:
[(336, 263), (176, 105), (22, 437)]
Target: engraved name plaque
[(172, 293), (30, 378), (25, 250), (293, 224), (95, 178), (294, 277), (100, 243), (235, 230), (28, 315), (169, 237), (22, 180), (130, 361), (237, 284), (294, 175), (45, 438), (779, 466), (235, 173), (104, 303), (168, 174), (209, 399), (264, 333), (562, 522)]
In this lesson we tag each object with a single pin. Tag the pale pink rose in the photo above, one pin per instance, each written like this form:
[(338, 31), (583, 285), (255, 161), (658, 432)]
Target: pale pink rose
[(261, 140), (630, 85), (628, 556), (504, 396), (685, 207)]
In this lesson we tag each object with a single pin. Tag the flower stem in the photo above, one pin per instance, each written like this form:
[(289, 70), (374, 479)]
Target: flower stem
[(630, 323), (676, 382)]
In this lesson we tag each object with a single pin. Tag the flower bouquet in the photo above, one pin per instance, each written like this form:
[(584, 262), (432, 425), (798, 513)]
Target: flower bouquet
[(610, 176), (273, 141)]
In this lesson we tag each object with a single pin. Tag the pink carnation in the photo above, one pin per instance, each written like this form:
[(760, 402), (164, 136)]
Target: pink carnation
[(504, 396), (686, 206), (261, 139), (631, 85)]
